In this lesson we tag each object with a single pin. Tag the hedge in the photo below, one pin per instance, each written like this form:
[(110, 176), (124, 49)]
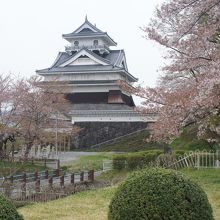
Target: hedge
[(159, 194), (136, 160)]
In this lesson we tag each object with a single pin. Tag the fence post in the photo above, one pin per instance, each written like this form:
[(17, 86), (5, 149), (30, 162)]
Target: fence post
[(50, 182), (23, 190), (11, 179), (62, 181), (198, 160), (37, 185), (215, 159), (56, 172), (82, 176), (186, 162), (35, 176), (72, 180), (91, 175), (46, 174), (24, 178), (58, 164)]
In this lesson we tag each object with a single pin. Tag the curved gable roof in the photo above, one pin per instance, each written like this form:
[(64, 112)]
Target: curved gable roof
[(87, 29)]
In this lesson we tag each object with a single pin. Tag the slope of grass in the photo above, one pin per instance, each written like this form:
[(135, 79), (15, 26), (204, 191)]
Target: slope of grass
[(90, 205), (93, 205), (135, 142), (188, 141)]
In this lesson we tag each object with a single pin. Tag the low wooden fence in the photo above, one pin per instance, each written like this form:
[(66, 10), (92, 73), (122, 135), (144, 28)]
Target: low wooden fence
[(30, 177), (32, 186), (39, 196)]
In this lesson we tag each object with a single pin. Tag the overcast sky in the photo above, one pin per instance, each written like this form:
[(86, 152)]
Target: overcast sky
[(30, 32)]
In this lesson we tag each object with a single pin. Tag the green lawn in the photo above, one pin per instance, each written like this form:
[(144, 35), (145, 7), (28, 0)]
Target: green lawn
[(90, 205), (209, 180), (89, 162), (93, 205)]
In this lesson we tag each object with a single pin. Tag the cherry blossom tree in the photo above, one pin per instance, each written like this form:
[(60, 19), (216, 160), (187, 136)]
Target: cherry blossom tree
[(30, 110), (38, 111), (188, 91), (8, 106)]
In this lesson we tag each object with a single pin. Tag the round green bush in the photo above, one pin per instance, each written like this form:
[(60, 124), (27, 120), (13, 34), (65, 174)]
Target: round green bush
[(159, 194), (8, 210)]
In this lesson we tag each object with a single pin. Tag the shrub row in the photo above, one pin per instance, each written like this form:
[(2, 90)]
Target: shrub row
[(139, 160), (136, 160)]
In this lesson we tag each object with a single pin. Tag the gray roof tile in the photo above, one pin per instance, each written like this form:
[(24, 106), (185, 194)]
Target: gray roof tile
[(113, 58)]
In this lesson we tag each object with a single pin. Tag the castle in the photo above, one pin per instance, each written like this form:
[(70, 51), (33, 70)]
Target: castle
[(89, 72)]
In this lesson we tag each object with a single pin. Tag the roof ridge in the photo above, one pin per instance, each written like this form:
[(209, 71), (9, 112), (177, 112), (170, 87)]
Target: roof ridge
[(90, 24), (88, 51), (96, 55)]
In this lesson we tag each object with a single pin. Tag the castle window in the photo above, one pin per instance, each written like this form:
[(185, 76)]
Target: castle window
[(95, 42), (76, 43)]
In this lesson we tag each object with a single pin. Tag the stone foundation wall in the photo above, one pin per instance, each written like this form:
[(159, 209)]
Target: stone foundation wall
[(97, 132)]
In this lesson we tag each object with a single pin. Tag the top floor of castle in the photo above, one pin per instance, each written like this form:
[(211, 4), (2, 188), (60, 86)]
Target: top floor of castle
[(90, 37), (89, 57)]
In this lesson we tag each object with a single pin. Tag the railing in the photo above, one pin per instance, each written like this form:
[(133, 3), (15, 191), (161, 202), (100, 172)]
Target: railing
[(32, 186), (48, 185), (196, 159), (93, 47), (107, 165)]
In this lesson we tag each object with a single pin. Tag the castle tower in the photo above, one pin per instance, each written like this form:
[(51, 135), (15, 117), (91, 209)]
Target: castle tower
[(88, 72)]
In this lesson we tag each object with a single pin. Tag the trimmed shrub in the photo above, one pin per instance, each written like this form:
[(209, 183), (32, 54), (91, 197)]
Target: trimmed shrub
[(136, 160), (119, 162), (141, 160), (164, 160), (159, 194), (8, 210)]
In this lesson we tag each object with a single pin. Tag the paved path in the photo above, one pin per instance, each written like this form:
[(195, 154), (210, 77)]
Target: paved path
[(66, 157)]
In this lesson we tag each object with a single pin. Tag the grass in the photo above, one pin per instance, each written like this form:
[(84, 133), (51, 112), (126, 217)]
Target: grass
[(93, 205), (89, 162), (113, 176), (135, 142), (209, 180), (90, 205), (6, 167), (188, 141)]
